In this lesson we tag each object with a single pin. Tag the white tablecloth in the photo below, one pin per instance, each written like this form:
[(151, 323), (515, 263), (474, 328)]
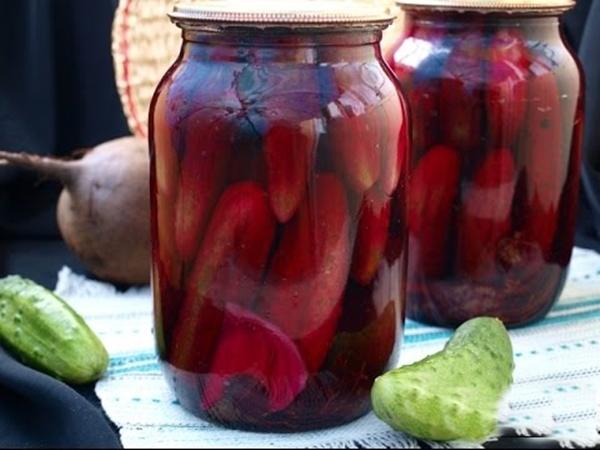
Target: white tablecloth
[(556, 391)]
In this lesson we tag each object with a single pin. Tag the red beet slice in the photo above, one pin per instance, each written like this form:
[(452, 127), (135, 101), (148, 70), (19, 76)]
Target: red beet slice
[(433, 188), (370, 323), (355, 126), (289, 154), (424, 103), (419, 71), (356, 148), (228, 269), (485, 216), (167, 267), (394, 144), (546, 169), (309, 270), (372, 235), (461, 101), (249, 345), (506, 97), (203, 174), (570, 195), (165, 176)]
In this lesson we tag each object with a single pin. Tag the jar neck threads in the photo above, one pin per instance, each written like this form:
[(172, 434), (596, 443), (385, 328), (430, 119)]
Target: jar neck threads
[(280, 47)]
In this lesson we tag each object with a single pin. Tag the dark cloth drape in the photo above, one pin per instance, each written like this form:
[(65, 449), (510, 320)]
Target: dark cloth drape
[(37, 411), (583, 27), (57, 94)]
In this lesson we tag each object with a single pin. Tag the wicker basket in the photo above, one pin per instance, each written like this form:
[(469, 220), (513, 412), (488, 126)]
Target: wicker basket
[(145, 44)]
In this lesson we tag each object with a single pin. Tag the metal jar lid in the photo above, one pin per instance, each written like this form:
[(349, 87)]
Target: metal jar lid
[(282, 13), (491, 5)]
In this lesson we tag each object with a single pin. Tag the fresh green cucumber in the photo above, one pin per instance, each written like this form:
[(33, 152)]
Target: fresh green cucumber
[(45, 333), (453, 394)]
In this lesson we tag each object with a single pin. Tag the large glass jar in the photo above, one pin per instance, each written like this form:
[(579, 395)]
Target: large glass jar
[(496, 101), (278, 142)]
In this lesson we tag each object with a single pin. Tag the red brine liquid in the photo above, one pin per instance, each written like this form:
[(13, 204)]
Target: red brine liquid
[(278, 218), (494, 173)]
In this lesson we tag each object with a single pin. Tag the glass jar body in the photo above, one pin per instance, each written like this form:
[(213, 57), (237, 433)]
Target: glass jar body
[(496, 102), (279, 253)]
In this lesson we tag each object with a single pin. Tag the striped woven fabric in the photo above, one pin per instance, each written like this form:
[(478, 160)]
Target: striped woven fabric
[(556, 394)]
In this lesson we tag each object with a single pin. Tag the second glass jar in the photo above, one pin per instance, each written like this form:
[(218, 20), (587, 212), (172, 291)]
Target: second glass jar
[(496, 103)]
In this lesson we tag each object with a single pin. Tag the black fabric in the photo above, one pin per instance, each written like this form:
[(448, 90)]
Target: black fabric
[(37, 411), (57, 95), (574, 22), (585, 20)]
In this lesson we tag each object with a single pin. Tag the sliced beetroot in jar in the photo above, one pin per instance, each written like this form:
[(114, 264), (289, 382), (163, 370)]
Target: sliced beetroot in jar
[(355, 125), (394, 145), (315, 345), (368, 328), (506, 96), (203, 174), (200, 99), (365, 353), (280, 102), (546, 169), (309, 270), (419, 63), (461, 95), (166, 174), (485, 216), (165, 307), (228, 269), (433, 188), (249, 345), (425, 115), (356, 149), (289, 153), (569, 200), (167, 271), (167, 298), (397, 238), (167, 267), (372, 235)]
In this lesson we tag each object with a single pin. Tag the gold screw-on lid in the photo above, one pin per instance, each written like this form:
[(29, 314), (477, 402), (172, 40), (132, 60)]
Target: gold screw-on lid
[(273, 13), (491, 5)]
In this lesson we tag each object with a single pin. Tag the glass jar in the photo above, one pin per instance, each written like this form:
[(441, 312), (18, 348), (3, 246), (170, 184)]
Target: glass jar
[(496, 102), (278, 141)]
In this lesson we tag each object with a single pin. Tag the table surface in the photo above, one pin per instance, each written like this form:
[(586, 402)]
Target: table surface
[(42, 259)]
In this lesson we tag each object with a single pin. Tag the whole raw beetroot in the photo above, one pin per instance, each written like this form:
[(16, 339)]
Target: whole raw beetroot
[(104, 209)]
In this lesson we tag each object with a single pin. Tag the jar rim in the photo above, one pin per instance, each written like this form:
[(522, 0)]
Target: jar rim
[(534, 6), (263, 14)]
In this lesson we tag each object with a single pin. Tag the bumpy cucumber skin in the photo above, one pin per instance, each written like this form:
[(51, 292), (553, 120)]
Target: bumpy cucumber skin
[(47, 334), (453, 394)]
